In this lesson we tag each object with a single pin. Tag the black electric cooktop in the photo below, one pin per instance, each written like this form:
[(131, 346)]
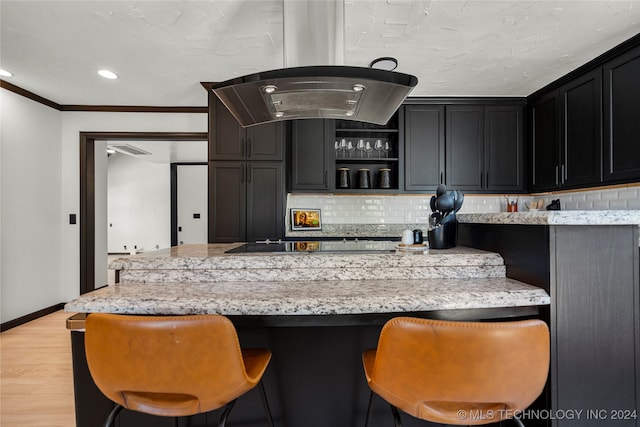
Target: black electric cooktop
[(352, 246)]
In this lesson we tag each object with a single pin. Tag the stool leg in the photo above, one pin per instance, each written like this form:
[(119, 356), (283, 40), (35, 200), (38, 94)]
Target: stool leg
[(112, 415), (227, 410), (265, 403), (369, 409), (396, 416)]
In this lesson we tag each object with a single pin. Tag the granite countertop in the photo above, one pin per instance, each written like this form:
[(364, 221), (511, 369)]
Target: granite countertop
[(591, 217), (210, 263), (309, 297)]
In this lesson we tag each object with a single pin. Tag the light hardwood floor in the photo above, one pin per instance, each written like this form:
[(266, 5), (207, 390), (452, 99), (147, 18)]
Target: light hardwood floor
[(36, 380)]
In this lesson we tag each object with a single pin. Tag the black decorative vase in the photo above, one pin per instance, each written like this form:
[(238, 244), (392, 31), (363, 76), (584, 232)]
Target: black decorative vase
[(443, 236)]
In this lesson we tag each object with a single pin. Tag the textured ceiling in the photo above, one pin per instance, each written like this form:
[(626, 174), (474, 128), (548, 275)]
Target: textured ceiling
[(162, 50)]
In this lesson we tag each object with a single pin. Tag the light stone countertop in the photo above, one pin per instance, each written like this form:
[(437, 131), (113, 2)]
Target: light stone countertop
[(309, 298), (209, 264), (591, 217), (270, 284)]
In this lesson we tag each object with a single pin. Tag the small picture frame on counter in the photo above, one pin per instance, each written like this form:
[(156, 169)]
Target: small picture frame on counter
[(306, 219)]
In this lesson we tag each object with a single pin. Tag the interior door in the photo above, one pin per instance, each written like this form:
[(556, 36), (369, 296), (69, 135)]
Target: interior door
[(192, 204)]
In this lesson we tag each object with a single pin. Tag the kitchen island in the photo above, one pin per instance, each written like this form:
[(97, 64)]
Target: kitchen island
[(317, 312)]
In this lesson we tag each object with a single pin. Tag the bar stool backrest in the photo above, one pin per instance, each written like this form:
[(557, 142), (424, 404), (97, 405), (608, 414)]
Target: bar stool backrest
[(433, 369), (167, 365)]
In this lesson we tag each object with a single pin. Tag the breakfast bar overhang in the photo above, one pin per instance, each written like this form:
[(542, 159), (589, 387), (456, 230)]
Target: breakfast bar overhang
[(317, 329)]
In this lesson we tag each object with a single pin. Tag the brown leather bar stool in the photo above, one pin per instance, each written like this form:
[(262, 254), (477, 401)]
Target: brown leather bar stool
[(458, 373), (172, 366)]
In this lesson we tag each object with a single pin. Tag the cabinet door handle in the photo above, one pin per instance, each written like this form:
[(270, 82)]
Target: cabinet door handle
[(481, 178), (249, 173), (556, 174), (324, 179), (564, 174), (441, 177), (249, 147), (486, 179), (241, 173)]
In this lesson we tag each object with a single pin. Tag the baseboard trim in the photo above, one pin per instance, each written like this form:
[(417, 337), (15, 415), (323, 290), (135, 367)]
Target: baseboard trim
[(29, 317)]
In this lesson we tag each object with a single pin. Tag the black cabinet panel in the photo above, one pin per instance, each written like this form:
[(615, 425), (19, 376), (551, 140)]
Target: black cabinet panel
[(503, 148), (544, 157), (265, 194), (229, 141), (424, 147), (595, 323), (227, 202), (465, 147), (582, 125), (309, 155), (622, 117)]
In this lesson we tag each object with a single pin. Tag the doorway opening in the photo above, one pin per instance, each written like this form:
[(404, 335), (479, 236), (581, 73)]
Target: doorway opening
[(88, 193)]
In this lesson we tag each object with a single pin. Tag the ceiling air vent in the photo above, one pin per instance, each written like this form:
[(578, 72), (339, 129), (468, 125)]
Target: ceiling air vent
[(129, 149)]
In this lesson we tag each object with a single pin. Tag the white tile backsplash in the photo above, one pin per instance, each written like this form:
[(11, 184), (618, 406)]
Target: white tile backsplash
[(414, 208)]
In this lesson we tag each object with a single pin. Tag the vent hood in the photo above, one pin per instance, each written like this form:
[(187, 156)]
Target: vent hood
[(332, 92), (314, 82)]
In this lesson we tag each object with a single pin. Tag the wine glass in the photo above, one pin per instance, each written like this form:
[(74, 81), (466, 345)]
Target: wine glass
[(343, 147), (360, 147), (367, 148), (387, 148), (336, 146), (378, 146), (350, 148)]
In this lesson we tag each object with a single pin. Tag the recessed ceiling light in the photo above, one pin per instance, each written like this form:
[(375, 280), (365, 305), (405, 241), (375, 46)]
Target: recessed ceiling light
[(5, 73), (108, 74), (358, 87), (270, 88)]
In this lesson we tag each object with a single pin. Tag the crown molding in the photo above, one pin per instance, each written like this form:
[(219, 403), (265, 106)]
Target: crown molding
[(100, 108)]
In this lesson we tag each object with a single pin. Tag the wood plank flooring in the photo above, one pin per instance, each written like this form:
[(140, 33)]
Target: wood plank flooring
[(36, 380)]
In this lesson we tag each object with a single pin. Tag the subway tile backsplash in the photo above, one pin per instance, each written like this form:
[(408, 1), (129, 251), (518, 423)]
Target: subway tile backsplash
[(414, 208)]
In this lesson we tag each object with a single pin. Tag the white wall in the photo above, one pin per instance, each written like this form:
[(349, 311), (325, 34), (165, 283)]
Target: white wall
[(40, 187), (139, 207), (32, 222), (72, 124)]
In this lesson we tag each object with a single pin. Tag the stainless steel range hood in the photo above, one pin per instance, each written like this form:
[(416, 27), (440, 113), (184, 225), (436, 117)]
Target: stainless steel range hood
[(314, 82), (334, 92)]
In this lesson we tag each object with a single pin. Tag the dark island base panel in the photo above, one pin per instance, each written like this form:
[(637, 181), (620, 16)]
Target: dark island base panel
[(315, 379)]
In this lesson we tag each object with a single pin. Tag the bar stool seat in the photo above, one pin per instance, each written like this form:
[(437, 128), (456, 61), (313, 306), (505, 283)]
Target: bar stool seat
[(171, 366), (458, 373)]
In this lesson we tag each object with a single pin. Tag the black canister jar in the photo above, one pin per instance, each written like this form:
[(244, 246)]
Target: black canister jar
[(364, 178), (344, 178)]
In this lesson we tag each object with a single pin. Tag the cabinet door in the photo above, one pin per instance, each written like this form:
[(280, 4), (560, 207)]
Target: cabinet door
[(309, 155), (226, 136), (265, 207), (503, 148), (544, 145), (265, 142), (622, 117), (227, 202), (582, 131), (424, 147), (464, 147)]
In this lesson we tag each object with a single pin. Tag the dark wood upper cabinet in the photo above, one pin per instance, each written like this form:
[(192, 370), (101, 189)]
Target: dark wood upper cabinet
[(310, 155), (622, 118), (545, 139), (503, 148), (465, 147), (424, 147), (469, 147), (582, 131), (229, 141)]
